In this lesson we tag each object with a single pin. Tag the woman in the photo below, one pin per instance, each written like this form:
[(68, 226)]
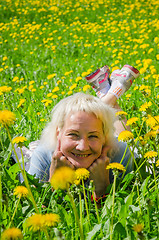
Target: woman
[(82, 131)]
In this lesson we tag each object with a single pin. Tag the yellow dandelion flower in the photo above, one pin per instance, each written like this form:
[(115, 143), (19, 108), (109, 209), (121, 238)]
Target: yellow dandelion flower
[(78, 79), (73, 86), (48, 102), (49, 95), (142, 141), (143, 87), (35, 222), (21, 102), (152, 121), (55, 89), (150, 154), (84, 74), (128, 95), (62, 178), (145, 106), (121, 113), (54, 96), (138, 227), (136, 88), (4, 58), (86, 87), (21, 191), (132, 121), (77, 182), (31, 87), (7, 117), (5, 89), (125, 135), (15, 79), (82, 174), (12, 234), (51, 219), (150, 134), (116, 166), (19, 141), (115, 68), (69, 92), (157, 163), (31, 82)]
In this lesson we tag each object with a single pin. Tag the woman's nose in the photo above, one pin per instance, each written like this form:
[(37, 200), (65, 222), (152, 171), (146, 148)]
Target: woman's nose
[(82, 145)]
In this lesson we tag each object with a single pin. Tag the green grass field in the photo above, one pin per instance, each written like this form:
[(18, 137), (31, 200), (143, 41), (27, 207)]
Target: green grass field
[(46, 50)]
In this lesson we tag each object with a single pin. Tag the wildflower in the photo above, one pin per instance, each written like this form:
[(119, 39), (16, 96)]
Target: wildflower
[(120, 113), (54, 96), (51, 76), (150, 154), (12, 234), (31, 82), (132, 121), (55, 89), (30, 87), (63, 177), (73, 86), (138, 227), (157, 163), (35, 222), (5, 58), (145, 106), (125, 135), (20, 191), (77, 79), (86, 87), (141, 140), (152, 121), (150, 134), (5, 89), (49, 94), (15, 79), (51, 219), (69, 92), (21, 102), (7, 117), (84, 74), (82, 174), (128, 96), (19, 140), (135, 88), (116, 166)]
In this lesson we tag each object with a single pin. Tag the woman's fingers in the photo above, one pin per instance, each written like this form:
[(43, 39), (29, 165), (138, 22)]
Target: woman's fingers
[(104, 152)]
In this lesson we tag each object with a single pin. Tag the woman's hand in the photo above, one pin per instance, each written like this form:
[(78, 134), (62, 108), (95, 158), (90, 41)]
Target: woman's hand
[(58, 160), (99, 174)]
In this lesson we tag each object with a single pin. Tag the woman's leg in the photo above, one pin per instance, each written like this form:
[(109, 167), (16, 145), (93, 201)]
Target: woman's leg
[(111, 100)]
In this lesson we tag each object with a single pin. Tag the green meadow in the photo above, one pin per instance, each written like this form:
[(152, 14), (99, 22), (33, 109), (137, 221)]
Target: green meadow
[(47, 47)]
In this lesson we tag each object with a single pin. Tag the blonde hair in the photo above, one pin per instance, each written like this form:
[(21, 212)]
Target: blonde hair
[(75, 103)]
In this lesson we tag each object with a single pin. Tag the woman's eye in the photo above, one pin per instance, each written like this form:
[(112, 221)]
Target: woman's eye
[(93, 136), (73, 134)]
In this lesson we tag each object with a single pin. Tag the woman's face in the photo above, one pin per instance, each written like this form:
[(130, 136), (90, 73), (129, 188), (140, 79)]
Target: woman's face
[(81, 139)]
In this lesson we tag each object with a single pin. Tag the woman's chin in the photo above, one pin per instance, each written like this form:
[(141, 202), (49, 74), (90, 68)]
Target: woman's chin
[(78, 164)]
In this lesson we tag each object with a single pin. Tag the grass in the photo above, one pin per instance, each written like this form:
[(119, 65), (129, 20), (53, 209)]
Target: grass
[(47, 47)]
